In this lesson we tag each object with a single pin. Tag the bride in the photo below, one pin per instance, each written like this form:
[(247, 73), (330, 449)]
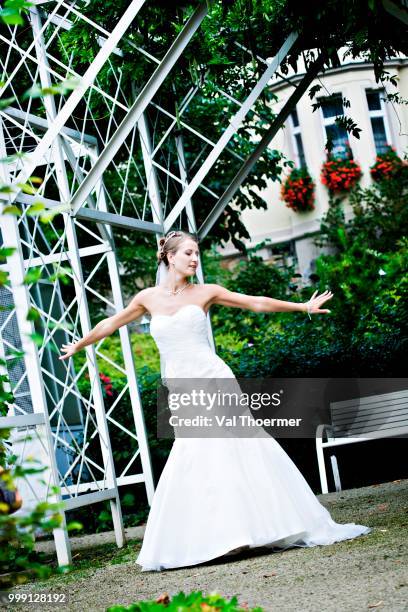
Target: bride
[(216, 496)]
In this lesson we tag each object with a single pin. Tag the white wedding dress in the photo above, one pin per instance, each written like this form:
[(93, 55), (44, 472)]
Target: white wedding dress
[(220, 495)]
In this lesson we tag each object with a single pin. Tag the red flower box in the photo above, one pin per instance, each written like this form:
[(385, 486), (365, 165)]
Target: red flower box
[(298, 190), (340, 174), (387, 165)]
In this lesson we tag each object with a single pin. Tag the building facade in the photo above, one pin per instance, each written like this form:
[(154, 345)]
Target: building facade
[(303, 141)]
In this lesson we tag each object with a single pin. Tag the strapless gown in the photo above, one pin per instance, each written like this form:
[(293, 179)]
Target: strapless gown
[(220, 495)]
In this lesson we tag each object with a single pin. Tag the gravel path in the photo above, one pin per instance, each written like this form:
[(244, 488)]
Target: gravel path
[(369, 572)]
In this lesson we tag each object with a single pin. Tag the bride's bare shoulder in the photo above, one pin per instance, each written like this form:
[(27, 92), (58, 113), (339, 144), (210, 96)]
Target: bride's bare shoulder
[(209, 290), (145, 297), (150, 293)]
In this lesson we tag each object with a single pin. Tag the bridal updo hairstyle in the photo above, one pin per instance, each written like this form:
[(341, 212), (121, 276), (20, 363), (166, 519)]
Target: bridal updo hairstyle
[(170, 244)]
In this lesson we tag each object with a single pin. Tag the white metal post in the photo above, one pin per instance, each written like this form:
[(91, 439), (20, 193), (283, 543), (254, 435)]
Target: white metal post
[(336, 473), (128, 359), (192, 226), (320, 431), (80, 293), (152, 183), (15, 262)]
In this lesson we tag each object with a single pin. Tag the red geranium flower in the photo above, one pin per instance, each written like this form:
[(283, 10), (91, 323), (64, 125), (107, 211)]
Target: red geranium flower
[(340, 174), (387, 165), (298, 190)]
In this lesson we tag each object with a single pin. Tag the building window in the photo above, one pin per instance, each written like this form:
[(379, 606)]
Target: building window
[(297, 141), (283, 255), (379, 124), (331, 108)]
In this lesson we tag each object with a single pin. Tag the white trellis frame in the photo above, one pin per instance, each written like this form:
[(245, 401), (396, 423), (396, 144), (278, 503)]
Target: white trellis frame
[(143, 150)]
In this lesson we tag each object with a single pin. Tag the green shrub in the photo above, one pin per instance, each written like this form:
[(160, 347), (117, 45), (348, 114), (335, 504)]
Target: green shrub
[(192, 602), (366, 332)]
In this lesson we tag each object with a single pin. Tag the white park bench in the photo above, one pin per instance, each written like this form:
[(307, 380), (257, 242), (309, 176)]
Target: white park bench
[(360, 420)]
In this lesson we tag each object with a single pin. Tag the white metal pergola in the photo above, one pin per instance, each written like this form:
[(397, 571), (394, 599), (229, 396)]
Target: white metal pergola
[(59, 139)]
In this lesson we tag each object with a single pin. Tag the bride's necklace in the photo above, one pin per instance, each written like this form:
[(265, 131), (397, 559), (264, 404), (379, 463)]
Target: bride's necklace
[(179, 290)]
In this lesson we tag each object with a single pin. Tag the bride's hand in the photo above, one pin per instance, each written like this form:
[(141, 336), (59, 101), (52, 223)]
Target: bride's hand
[(313, 306), (68, 349)]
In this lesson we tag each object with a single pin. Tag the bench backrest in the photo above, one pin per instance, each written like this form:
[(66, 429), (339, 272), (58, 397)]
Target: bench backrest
[(387, 413)]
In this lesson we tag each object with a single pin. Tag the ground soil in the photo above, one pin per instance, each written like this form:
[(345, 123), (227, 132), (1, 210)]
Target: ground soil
[(369, 572)]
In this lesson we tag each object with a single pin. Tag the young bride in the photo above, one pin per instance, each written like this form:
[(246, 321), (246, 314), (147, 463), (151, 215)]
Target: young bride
[(216, 495)]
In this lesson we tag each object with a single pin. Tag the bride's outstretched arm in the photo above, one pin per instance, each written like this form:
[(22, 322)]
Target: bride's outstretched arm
[(258, 303), (107, 326)]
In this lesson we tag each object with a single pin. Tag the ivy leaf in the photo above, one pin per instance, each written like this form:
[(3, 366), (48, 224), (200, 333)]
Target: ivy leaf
[(63, 274), (4, 279), (26, 188), (6, 252), (35, 209), (11, 210), (313, 91), (6, 188), (33, 314), (11, 16), (64, 326), (104, 515), (33, 275), (11, 13), (6, 102), (48, 215), (36, 179), (36, 338), (60, 88), (12, 158), (16, 356), (18, 5), (74, 525)]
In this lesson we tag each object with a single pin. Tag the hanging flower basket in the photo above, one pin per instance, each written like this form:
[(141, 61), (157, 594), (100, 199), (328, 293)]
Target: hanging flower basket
[(387, 165), (298, 190), (340, 174)]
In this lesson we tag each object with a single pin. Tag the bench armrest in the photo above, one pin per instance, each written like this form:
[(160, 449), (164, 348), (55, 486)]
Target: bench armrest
[(324, 429)]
